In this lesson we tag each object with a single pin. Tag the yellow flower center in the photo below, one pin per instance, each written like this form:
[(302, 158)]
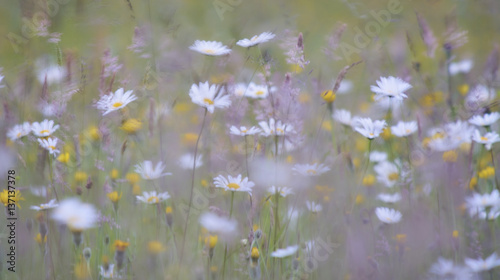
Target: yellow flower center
[(208, 101), (484, 138), (244, 131), (18, 135), (371, 134), (233, 186), (153, 199), (393, 176), (52, 147), (44, 131), (260, 92), (208, 51), (254, 38), (280, 130), (311, 171), (117, 104)]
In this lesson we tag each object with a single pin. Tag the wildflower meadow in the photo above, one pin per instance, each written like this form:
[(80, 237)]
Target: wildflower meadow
[(231, 139)]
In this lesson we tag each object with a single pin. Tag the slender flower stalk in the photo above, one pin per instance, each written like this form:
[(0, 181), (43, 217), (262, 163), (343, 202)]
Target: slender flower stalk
[(192, 187)]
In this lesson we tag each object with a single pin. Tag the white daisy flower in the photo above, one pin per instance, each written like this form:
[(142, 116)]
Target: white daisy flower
[(387, 173), (463, 66), (283, 191), (486, 213), (403, 129), (49, 145), (389, 198), (443, 267), (479, 96), (236, 184), (107, 272), (76, 215), (459, 131), (483, 200), (345, 87), (255, 40), (244, 131), (286, 252), (19, 131), (209, 96), (342, 116), (186, 161), (44, 129), (240, 89), (478, 265), (388, 215), (313, 206), (45, 206), (485, 120), (216, 224), (377, 156), (488, 139), (53, 73), (367, 127), (212, 48), (39, 191), (148, 172), (115, 101), (273, 128), (314, 169), (390, 87), (153, 197), (257, 91)]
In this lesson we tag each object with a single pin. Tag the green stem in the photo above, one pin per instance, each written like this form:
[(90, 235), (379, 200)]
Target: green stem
[(225, 249), (192, 188), (51, 177)]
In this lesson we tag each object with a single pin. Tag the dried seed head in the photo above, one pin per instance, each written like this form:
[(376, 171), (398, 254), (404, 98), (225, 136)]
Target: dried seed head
[(300, 41), (87, 253), (88, 186)]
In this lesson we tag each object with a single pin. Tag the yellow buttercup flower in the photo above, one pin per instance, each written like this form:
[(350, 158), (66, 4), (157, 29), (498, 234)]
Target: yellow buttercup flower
[(80, 176), (132, 178), (63, 158), (328, 95), (120, 245), (296, 68), (463, 89), (114, 174), (80, 270), (211, 241), (386, 133), (155, 247), (131, 126), (136, 189), (473, 183), (94, 133), (450, 156), (359, 199), (38, 238), (114, 196), (189, 139), (369, 180), (255, 253), (14, 195), (326, 125), (487, 172)]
